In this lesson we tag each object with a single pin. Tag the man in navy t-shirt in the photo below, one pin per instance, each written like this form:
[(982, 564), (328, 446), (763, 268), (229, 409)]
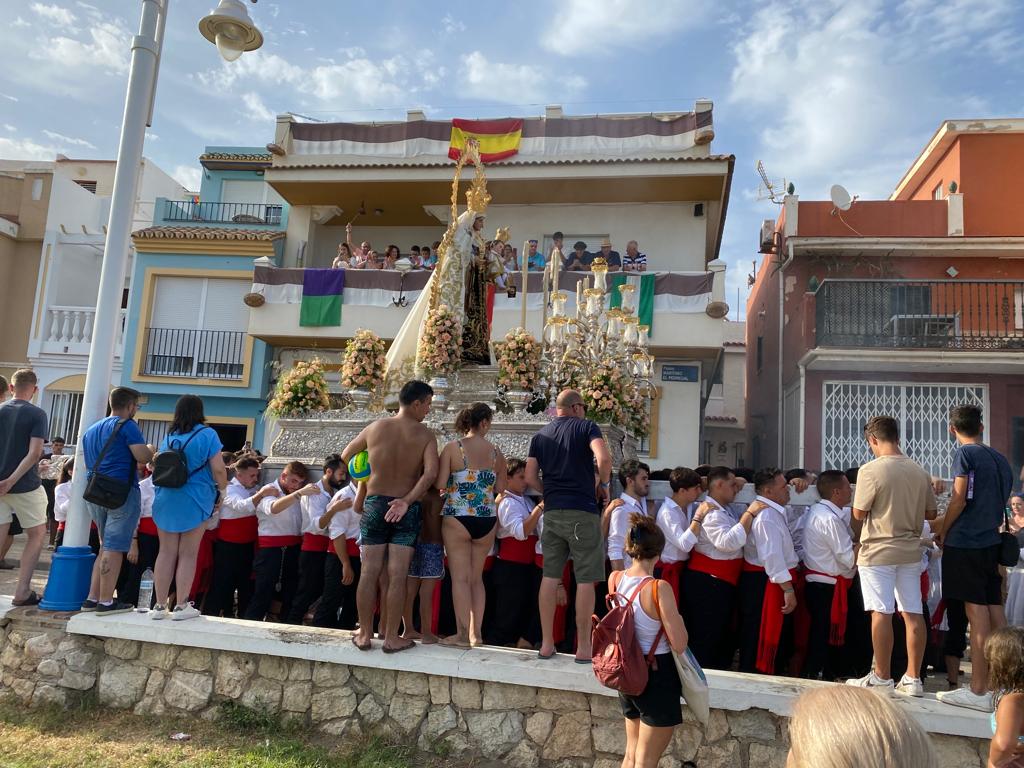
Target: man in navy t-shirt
[(561, 465), (971, 542), (117, 527)]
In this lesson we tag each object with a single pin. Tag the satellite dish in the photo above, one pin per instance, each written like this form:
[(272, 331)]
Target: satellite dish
[(840, 197)]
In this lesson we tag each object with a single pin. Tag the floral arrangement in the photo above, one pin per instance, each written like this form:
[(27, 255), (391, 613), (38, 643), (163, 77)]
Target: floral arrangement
[(302, 390), (518, 360), (440, 343), (638, 418), (604, 390), (363, 363)]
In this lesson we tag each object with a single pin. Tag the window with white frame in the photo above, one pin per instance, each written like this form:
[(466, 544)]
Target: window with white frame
[(65, 413), (197, 328)]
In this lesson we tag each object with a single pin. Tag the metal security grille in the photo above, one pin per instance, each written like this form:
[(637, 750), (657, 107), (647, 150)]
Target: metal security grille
[(922, 411), (154, 430), (65, 411)]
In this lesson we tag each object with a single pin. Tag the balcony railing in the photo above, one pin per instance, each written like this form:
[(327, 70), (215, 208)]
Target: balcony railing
[(182, 352), (70, 329), (222, 213), (921, 314)]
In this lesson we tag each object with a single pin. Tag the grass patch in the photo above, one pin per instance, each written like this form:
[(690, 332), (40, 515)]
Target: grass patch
[(91, 737)]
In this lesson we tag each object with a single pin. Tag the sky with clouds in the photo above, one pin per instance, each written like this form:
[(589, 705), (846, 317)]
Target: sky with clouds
[(823, 91)]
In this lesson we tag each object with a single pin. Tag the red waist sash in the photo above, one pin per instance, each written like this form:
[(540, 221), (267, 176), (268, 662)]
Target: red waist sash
[(671, 572), (726, 570), (147, 526), (239, 530), (513, 550), (837, 619), (772, 619), (312, 542), (352, 547), (269, 542)]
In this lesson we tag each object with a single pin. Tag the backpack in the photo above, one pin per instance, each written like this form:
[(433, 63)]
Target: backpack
[(170, 467), (618, 662)]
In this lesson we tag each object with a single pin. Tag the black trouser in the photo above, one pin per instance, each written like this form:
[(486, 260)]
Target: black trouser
[(51, 523), (857, 650), (337, 597), (311, 584), (277, 573), (131, 575), (94, 539), (232, 572), (515, 603), (822, 658), (750, 601), (956, 633), (708, 610)]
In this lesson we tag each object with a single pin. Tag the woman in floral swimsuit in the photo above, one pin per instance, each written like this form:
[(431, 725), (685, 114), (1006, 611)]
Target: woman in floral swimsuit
[(471, 474)]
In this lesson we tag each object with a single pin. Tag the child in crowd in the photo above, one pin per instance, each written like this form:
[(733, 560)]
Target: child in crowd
[(425, 572), (1004, 652), (337, 606), (61, 504)]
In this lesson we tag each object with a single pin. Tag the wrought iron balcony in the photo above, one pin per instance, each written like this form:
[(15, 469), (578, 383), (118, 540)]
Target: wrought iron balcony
[(921, 314), (222, 213), (181, 352)]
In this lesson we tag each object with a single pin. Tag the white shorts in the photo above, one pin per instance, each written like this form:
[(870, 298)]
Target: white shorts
[(887, 586), (30, 507)]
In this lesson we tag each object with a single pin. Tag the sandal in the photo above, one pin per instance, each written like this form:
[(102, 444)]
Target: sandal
[(32, 599)]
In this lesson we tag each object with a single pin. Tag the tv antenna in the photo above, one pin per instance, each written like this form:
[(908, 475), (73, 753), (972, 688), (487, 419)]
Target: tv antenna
[(769, 190)]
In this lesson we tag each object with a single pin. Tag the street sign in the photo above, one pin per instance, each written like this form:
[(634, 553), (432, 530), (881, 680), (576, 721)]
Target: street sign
[(680, 373)]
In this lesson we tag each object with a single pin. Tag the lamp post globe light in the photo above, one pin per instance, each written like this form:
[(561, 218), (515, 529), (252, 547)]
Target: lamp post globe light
[(233, 32)]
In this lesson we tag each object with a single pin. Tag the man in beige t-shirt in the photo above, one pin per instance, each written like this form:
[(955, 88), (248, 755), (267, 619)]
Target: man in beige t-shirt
[(893, 498)]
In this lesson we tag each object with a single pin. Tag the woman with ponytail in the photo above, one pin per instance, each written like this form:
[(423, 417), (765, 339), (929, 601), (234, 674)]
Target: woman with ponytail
[(652, 716), (471, 473)]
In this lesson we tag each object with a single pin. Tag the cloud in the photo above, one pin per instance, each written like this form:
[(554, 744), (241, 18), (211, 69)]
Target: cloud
[(619, 23), (256, 109), (10, 128), (451, 25), (54, 14), (66, 141), (150, 136), (8, 97), (19, 23), (356, 83), (515, 83), (188, 176), (107, 49), (27, 149)]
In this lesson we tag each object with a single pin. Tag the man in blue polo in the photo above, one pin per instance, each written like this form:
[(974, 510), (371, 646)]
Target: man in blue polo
[(535, 259), (561, 466)]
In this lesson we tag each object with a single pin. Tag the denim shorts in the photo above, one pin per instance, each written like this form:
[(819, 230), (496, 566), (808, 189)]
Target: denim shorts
[(117, 526)]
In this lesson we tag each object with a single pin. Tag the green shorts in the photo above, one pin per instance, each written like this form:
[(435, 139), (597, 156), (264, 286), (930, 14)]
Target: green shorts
[(576, 534), (374, 529)]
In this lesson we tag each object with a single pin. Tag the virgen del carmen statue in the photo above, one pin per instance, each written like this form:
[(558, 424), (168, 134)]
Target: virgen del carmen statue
[(446, 340)]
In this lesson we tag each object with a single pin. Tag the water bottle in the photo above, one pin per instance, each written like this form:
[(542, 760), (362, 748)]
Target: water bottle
[(145, 591)]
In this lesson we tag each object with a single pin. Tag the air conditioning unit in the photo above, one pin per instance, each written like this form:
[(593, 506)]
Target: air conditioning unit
[(767, 241)]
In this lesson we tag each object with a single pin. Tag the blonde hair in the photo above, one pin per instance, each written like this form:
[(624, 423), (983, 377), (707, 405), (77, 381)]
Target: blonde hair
[(845, 727)]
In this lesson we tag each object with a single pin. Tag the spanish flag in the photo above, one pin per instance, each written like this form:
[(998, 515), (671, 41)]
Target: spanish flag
[(498, 138)]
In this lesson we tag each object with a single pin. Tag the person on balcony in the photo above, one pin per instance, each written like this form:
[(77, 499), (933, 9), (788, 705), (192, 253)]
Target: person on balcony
[(579, 260), (611, 257), (634, 261), (534, 258), (391, 255), (415, 258), (428, 257), (344, 258)]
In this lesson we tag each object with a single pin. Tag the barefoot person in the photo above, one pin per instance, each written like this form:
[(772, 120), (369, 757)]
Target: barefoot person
[(405, 452), (471, 472), (425, 572)]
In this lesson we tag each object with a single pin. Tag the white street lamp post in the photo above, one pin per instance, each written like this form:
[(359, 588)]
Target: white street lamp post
[(71, 569)]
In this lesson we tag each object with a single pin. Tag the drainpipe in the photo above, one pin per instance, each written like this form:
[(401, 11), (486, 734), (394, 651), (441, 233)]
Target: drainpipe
[(803, 409), (782, 325)]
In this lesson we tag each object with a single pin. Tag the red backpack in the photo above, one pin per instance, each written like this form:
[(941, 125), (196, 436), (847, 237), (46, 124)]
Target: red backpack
[(618, 662)]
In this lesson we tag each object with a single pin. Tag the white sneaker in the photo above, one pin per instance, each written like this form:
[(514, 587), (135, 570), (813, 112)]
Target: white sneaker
[(159, 612), (910, 686), (965, 697), (871, 680), (183, 612)]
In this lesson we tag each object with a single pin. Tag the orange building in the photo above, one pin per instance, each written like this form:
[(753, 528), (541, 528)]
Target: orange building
[(901, 307)]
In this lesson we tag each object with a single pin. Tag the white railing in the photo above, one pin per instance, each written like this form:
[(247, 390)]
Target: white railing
[(73, 325)]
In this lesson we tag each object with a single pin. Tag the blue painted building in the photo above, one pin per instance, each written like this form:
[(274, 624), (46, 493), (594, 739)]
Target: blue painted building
[(186, 326)]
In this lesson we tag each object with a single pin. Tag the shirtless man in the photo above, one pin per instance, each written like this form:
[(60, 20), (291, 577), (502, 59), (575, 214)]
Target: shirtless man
[(403, 454)]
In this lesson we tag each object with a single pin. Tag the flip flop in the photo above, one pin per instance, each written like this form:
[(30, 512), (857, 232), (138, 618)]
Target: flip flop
[(361, 647), (583, 661), (399, 649), (32, 599), (546, 658)]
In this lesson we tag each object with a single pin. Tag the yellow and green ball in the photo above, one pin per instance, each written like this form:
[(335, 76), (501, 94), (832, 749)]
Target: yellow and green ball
[(359, 466)]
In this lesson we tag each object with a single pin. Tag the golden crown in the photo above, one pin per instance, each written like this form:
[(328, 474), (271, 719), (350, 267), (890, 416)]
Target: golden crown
[(477, 197), (502, 234)]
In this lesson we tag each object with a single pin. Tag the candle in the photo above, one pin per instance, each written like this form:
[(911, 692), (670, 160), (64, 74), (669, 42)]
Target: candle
[(556, 266), (600, 269), (629, 333), (523, 272), (558, 299), (644, 330), (579, 296), (594, 301), (628, 292)]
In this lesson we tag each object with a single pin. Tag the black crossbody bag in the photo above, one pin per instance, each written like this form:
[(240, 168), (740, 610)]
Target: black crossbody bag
[(104, 490)]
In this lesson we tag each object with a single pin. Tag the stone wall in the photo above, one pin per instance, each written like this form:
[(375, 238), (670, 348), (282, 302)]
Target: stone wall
[(520, 725)]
